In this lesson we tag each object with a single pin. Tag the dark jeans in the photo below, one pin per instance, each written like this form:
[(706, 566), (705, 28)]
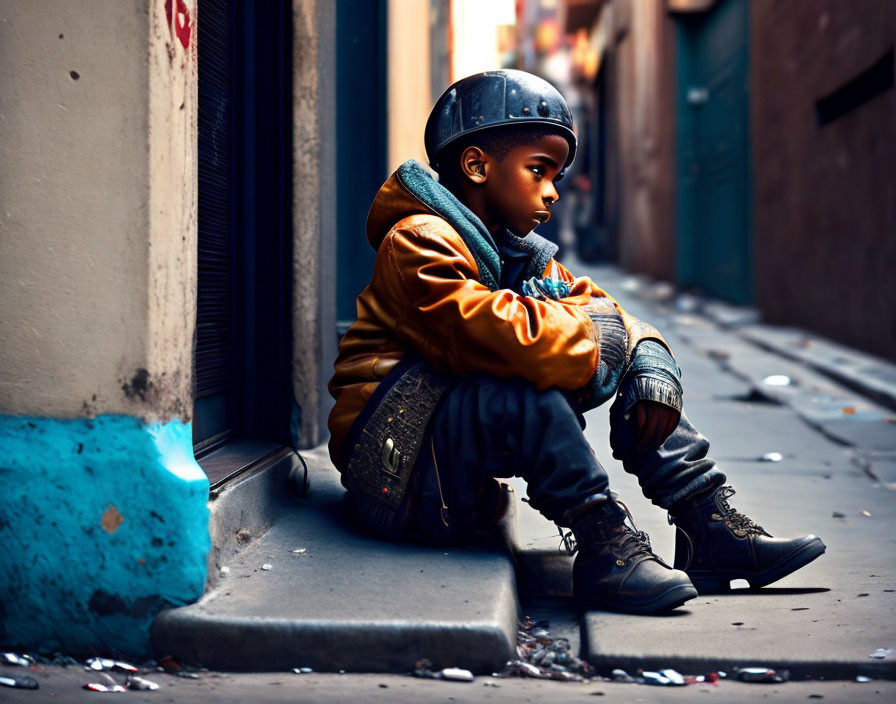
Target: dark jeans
[(488, 427)]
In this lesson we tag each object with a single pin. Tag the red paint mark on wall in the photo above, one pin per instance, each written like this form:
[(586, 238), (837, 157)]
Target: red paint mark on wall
[(179, 21)]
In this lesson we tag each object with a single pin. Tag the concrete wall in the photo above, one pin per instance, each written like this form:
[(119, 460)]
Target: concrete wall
[(97, 227), (825, 212), (642, 155), (104, 518)]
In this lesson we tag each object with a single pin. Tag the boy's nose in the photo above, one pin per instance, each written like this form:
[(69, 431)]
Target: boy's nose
[(551, 196)]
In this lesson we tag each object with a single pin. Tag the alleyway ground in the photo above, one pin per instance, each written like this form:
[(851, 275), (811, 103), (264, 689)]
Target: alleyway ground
[(829, 616)]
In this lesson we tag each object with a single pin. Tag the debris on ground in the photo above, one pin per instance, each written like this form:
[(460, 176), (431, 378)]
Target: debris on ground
[(762, 675), (108, 683), (541, 656), (97, 687), (18, 682), (140, 684), (664, 678), (15, 659), (881, 653), (771, 457), (101, 664), (457, 674), (864, 678), (302, 670), (99, 670), (777, 380)]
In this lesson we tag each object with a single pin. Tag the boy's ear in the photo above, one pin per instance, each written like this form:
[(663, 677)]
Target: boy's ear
[(474, 164)]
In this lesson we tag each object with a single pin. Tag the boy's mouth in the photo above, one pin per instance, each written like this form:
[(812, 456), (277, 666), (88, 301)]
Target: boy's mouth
[(542, 216)]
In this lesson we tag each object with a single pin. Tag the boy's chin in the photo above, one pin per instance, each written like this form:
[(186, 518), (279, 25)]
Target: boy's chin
[(521, 232)]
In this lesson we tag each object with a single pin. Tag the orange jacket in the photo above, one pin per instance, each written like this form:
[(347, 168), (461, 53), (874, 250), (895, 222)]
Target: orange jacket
[(425, 295)]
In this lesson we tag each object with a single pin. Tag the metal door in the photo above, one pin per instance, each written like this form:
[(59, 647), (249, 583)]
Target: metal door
[(714, 203)]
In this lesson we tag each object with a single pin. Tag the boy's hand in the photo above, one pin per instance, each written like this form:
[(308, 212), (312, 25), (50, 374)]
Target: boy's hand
[(656, 421)]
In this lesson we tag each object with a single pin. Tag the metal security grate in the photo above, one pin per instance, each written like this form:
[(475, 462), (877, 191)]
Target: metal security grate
[(214, 324)]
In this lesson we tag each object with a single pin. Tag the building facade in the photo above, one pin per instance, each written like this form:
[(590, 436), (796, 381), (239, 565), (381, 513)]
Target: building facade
[(741, 149), (167, 221)]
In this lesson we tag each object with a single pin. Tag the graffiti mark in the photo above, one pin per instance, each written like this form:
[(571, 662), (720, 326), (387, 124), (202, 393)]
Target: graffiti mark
[(179, 21)]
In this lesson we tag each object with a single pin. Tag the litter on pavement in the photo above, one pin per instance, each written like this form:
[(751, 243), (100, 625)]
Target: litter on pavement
[(18, 682), (141, 685), (100, 664), (777, 380), (15, 659), (458, 674), (763, 675)]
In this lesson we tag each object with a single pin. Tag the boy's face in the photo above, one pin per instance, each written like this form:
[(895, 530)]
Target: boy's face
[(519, 190)]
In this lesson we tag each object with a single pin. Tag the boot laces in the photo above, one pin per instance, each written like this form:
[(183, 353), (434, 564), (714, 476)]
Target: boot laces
[(627, 541), (739, 524)]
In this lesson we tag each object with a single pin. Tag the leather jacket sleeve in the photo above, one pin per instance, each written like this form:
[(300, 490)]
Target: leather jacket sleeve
[(460, 325), (583, 289)]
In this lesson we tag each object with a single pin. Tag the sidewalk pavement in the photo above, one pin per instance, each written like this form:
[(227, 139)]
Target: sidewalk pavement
[(805, 453)]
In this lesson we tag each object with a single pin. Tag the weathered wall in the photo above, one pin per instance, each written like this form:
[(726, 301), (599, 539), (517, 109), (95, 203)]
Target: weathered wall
[(644, 129), (97, 277), (825, 212), (314, 214), (104, 519)]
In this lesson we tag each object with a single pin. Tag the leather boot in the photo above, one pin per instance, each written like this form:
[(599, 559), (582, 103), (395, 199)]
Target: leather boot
[(616, 569), (715, 544)]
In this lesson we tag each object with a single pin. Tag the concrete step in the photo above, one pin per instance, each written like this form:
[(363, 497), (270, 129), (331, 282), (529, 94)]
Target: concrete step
[(348, 602)]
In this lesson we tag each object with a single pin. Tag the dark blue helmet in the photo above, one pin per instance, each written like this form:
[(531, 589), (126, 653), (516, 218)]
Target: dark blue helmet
[(496, 99)]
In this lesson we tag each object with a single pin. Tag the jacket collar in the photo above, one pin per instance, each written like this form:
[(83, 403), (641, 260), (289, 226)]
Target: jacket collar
[(411, 190)]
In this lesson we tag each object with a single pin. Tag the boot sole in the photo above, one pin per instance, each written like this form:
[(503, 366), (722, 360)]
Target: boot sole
[(666, 601), (715, 583)]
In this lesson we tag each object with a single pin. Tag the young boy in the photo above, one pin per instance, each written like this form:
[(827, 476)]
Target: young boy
[(475, 354)]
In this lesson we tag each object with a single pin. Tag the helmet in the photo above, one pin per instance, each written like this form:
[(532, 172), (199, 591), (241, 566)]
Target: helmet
[(493, 99)]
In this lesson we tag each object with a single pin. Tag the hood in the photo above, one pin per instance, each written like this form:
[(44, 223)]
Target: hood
[(412, 191)]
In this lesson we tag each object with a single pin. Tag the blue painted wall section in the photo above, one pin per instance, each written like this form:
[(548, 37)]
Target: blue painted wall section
[(103, 523)]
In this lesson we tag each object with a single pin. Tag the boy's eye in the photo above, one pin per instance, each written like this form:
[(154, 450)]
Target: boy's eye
[(559, 177), (537, 169)]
